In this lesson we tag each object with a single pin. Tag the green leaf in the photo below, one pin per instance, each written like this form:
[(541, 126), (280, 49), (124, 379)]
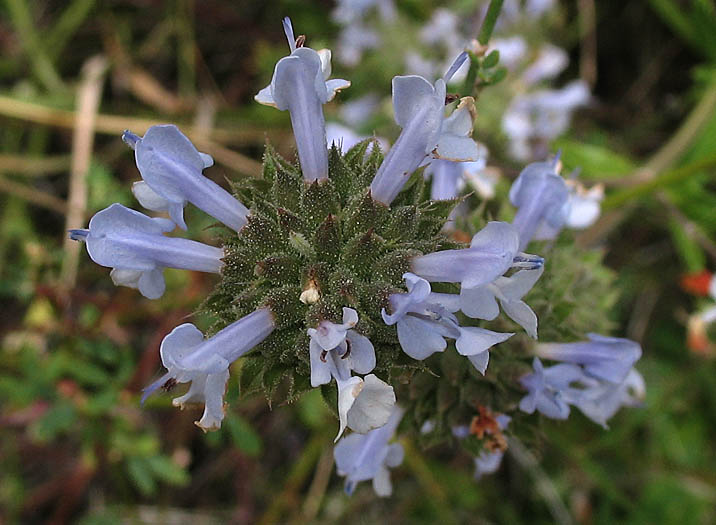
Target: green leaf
[(243, 435), (596, 162), (141, 475)]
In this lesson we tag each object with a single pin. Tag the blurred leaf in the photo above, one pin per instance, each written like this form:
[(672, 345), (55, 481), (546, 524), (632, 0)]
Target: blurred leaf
[(166, 470), (243, 435), (59, 418), (596, 162), (140, 473)]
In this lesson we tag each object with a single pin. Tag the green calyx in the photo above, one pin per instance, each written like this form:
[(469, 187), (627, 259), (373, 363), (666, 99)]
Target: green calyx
[(311, 248)]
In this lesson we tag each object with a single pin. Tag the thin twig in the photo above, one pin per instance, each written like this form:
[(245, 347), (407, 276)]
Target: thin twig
[(300, 471), (33, 196), (33, 166), (543, 484), (588, 42), (692, 229), (88, 99), (318, 487), (115, 125)]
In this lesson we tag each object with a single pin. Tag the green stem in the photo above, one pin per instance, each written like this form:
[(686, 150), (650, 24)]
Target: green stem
[(41, 64), (666, 179), (488, 25)]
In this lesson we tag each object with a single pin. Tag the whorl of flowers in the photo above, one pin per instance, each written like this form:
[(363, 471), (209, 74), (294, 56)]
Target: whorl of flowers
[(335, 274)]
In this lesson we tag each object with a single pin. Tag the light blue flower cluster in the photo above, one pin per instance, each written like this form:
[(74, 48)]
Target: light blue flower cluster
[(595, 376), (135, 246), (493, 273)]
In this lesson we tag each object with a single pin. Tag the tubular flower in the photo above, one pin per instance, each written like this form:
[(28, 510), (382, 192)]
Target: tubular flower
[(607, 358), (360, 457), (493, 251), (134, 246), (336, 350), (188, 357), (424, 323), (420, 110), (300, 85), (171, 170), (541, 197)]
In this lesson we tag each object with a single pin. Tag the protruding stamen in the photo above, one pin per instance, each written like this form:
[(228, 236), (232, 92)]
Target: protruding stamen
[(130, 139), (288, 30), (459, 61), (79, 235), (527, 261), (300, 41), (324, 353)]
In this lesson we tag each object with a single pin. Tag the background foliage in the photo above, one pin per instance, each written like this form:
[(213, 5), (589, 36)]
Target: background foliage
[(75, 351)]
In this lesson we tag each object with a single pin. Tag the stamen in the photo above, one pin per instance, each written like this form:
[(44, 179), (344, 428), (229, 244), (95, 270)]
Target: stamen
[(79, 235), (169, 384), (130, 139), (527, 261), (459, 61), (300, 41), (288, 30), (323, 355)]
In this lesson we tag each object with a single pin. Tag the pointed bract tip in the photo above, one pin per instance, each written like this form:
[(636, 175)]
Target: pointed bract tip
[(350, 487), (79, 235), (459, 61), (130, 139)]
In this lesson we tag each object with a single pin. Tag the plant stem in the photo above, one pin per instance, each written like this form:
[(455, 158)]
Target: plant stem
[(668, 178), (488, 25)]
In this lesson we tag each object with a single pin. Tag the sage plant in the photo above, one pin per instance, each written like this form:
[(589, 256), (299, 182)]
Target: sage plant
[(336, 272)]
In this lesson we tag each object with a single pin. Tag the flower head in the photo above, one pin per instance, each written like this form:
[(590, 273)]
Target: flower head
[(134, 245), (171, 169)]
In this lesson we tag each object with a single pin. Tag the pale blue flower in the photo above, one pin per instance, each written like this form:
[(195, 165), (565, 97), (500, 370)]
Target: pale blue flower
[(607, 358), (541, 198), (481, 302), (599, 400), (300, 85), (171, 170), (549, 389), (532, 120), (493, 251), (360, 457), (134, 245), (423, 323), (419, 108), (448, 177), (552, 390), (335, 351), (188, 357)]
